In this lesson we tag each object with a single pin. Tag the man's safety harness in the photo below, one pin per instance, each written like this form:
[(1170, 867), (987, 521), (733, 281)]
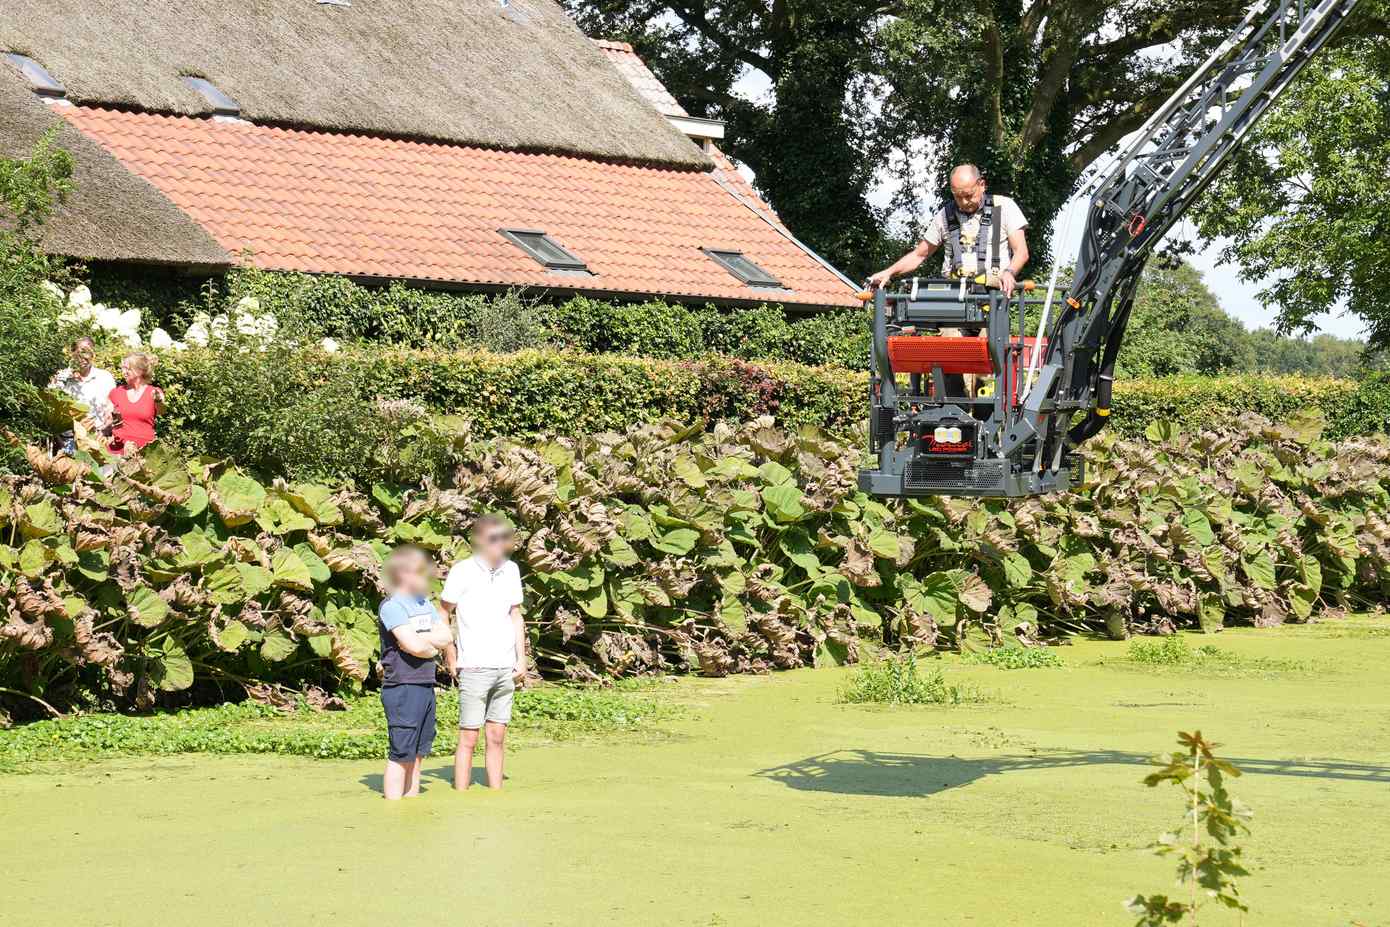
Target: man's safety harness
[(957, 256)]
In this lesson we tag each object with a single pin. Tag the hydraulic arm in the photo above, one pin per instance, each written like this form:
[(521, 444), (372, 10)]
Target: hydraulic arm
[(1054, 393)]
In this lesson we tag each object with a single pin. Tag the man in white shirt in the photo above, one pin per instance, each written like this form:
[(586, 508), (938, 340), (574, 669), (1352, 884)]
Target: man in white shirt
[(482, 597), (983, 234), (87, 384)]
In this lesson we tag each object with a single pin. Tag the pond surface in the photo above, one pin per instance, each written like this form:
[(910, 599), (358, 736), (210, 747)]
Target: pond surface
[(768, 804)]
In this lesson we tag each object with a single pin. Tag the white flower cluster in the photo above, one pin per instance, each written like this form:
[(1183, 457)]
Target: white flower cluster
[(80, 308), (245, 319)]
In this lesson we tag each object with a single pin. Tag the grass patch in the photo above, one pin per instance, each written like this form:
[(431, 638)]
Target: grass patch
[(901, 680), (1174, 651), (550, 712), (1015, 658)]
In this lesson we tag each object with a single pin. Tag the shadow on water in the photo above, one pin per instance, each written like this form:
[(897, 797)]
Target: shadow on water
[(866, 772)]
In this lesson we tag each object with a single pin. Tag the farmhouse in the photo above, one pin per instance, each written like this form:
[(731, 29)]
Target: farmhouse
[(479, 144)]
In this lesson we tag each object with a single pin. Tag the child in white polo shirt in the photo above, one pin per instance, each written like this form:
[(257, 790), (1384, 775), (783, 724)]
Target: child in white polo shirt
[(482, 596)]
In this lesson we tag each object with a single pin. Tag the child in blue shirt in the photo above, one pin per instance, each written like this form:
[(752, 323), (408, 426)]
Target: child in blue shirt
[(413, 634)]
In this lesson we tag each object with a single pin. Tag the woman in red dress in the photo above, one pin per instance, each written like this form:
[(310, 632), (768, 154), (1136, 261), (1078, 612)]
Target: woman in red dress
[(136, 403)]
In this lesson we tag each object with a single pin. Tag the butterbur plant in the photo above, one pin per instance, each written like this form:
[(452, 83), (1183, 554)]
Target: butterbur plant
[(1209, 862)]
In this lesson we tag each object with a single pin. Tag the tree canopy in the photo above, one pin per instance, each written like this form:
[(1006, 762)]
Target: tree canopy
[(1306, 205), (1031, 90)]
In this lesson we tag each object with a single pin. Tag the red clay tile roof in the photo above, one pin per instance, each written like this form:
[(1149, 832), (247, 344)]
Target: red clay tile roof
[(378, 207)]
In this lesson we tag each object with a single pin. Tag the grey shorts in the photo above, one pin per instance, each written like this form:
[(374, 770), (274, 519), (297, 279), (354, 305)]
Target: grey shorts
[(485, 695)]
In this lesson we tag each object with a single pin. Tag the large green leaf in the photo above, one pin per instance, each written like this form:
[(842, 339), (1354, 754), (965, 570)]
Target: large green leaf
[(1259, 569), (885, 544), (171, 669), (34, 557), (688, 471), (224, 586), (40, 520), (774, 474), (237, 498), (680, 542), (784, 503), (318, 570), (277, 646), (289, 570), (254, 579), (145, 607), (196, 504), (796, 544), (1018, 572), (164, 471), (1195, 521), (315, 501), (936, 595)]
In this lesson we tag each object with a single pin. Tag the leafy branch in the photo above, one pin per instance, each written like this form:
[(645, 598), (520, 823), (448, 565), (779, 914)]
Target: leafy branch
[(1209, 862)]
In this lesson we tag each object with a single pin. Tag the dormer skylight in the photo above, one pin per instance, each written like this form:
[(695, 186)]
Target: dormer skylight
[(736, 263), (222, 105), (40, 81)]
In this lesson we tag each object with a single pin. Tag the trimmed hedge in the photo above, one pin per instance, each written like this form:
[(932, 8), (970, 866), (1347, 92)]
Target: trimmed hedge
[(530, 392)]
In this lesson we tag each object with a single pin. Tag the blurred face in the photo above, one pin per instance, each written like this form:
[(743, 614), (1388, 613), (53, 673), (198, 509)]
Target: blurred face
[(413, 578), (131, 373), (968, 190), (82, 354), (494, 542)]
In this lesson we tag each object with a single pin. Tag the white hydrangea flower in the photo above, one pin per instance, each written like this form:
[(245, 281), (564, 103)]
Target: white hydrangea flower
[(106, 318), (246, 324), (160, 339), (329, 346), (54, 290), (132, 339), (128, 322), (249, 305), (197, 334), (217, 328), (82, 296)]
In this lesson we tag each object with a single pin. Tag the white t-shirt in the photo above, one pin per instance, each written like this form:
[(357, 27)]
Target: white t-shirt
[(93, 391), (1006, 211), (483, 599)]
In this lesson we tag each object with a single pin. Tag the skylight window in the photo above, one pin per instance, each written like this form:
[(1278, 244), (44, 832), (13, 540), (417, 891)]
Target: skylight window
[(42, 83), (545, 250), (222, 105), (741, 267)]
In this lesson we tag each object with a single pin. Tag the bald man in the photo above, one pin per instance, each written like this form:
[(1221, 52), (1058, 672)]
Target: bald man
[(983, 234)]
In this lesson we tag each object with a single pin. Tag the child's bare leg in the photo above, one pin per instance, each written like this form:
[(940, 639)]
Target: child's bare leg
[(393, 783), (463, 758), (496, 734), (412, 784)]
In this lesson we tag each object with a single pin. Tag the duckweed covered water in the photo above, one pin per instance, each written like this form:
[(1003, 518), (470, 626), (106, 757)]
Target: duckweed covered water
[(769, 803)]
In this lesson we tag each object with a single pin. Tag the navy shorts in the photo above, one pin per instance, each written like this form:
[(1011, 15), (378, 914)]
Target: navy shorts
[(410, 720)]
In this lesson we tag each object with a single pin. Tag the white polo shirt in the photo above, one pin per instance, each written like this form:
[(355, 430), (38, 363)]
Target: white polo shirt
[(483, 599)]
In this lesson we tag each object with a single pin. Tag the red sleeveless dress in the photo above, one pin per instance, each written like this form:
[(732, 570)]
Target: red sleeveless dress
[(137, 420)]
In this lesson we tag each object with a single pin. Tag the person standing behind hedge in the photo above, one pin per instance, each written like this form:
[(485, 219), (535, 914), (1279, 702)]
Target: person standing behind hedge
[(88, 384), (490, 655), (136, 404), (413, 634)]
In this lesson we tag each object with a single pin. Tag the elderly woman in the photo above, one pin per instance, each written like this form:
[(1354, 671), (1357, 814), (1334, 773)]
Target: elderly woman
[(136, 403)]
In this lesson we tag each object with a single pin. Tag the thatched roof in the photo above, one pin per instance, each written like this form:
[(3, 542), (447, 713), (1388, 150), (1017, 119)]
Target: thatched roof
[(519, 76), (113, 215)]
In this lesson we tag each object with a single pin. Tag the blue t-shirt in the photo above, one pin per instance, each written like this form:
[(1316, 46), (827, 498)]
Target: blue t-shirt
[(400, 668)]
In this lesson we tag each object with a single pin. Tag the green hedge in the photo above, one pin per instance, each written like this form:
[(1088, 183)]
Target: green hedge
[(407, 316), (311, 413)]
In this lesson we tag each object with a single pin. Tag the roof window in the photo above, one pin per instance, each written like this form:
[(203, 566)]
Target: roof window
[(222, 105), (545, 250), (42, 83), (741, 267)]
